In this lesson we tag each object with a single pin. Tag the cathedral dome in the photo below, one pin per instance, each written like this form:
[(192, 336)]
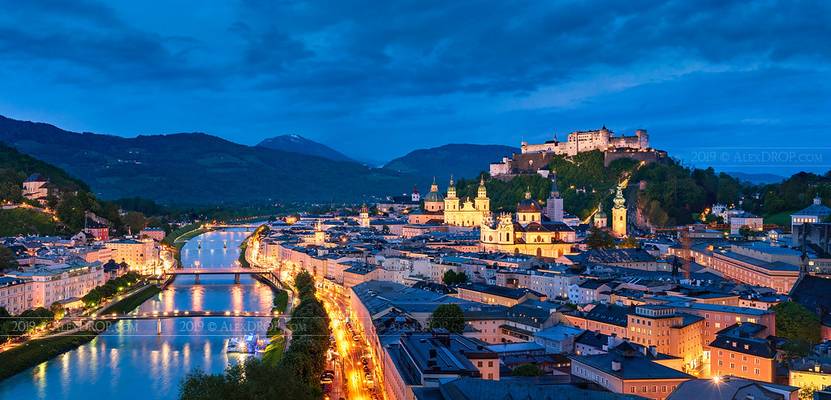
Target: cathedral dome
[(527, 205), (434, 195)]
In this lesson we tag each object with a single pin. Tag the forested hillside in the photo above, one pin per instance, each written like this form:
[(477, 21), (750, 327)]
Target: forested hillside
[(68, 207)]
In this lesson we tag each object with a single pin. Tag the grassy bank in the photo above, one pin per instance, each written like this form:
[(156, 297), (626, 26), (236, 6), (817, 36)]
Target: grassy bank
[(131, 302), (179, 237), (242, 248), (35, 352)]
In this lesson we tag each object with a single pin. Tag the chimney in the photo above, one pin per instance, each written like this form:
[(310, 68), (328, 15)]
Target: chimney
[(653, 350), (616, 365), (432, 353)]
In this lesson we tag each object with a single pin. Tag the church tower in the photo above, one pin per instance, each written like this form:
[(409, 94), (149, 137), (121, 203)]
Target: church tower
[(483, 203), (554, 204), (320, 234), (363, 219), (415, 197), (619, 214), (528, 211), (451, 202)]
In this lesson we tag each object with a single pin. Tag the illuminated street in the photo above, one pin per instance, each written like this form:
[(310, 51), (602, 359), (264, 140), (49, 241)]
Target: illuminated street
[(350, 379)]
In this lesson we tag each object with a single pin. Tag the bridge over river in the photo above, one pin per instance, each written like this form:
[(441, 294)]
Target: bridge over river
[(236, 271)]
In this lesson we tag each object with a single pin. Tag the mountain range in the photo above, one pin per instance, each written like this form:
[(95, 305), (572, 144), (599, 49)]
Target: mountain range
[(299, 144), (196, 168), (201, 169), (461, 160)]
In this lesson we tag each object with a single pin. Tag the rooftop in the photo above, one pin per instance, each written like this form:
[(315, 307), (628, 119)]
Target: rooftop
[(632, 367)]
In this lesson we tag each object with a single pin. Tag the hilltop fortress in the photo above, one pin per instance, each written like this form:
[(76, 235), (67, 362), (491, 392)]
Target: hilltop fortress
[(534, 157)]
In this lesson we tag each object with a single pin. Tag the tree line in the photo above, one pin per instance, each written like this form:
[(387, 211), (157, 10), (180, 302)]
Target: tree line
[(295, 376)]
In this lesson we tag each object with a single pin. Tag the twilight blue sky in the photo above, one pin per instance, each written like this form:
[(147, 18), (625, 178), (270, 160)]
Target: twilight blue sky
[(377, 79)]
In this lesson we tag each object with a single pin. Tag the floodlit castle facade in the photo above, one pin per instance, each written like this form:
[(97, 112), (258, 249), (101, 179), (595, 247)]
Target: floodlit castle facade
[(581, 141), (534, 158)]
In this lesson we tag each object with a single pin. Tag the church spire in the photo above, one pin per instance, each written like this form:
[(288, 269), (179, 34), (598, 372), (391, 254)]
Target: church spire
[(482, 192), (451, 190), (555, 191), (528, 193), (619, 201)]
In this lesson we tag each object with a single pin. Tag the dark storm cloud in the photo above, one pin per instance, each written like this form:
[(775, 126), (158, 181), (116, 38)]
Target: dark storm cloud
[(418, 73)]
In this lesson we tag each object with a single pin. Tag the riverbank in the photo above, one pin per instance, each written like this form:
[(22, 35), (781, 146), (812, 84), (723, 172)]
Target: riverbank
[(132, 302), (34, 352), (178, 238)]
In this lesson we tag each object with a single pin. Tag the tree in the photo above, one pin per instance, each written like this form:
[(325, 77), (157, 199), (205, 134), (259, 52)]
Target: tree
[(630, 243), (135, 221), (807, 392), (527, 370), (6, 323), (797, 324), (599, 239), (57, 310), (452, 278), (7, 259), (448, 316)]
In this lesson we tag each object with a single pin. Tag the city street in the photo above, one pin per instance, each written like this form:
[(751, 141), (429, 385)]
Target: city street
[(350, 377)]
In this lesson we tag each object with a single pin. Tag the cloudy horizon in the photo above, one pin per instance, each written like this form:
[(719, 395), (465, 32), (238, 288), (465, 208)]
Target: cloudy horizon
[(744, 86)]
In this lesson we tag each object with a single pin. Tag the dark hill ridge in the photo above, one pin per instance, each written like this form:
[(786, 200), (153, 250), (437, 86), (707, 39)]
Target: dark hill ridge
[(299, 144), (196, 168), (461, 160)]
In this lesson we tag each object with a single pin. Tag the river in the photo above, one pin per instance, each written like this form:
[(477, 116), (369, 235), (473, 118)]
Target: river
[(131, 361)]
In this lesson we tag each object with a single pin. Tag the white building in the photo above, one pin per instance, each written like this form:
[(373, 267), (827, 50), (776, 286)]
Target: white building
[(141, 255), (745, 219), (815, 213), (43, 286)]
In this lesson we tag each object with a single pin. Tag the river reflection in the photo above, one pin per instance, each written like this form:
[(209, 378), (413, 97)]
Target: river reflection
[(131, 361)]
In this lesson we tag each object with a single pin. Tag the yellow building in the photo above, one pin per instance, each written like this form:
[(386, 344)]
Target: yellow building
[(619, 214), (816, 376), (467, 212), (528, 234)]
